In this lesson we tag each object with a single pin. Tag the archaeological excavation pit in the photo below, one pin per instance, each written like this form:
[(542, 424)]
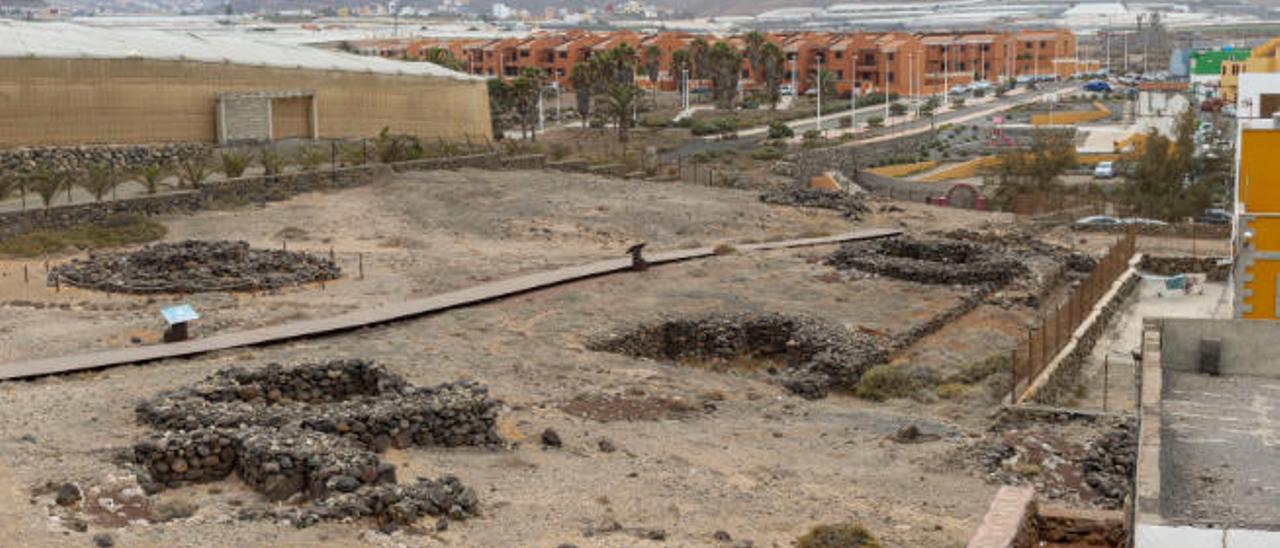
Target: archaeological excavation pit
[(194, 266), (809, 356), (930, 261), (312, 435)]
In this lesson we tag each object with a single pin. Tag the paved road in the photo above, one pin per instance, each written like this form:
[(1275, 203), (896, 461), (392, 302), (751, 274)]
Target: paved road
[(387, 313)]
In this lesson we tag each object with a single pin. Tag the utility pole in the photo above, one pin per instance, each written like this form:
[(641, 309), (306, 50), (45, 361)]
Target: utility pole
[(853, 99), (887, 91), (818, 76), (946, 72), (684, 88)]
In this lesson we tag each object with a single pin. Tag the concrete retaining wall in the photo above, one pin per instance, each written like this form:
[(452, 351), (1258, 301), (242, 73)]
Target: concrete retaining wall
[(1060, 377), (242, 190), (1010, 521), (1249, 347)]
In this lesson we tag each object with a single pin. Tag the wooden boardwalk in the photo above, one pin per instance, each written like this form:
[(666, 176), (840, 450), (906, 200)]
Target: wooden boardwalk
[(386, 313)]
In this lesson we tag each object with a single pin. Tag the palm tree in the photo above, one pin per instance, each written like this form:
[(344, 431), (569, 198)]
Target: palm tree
[(653, 68), (584, 80), (698, 52), (773, 68), (680, 62), (527, 90), (151, 176), (755, 42), (442, 57), (725, 66), (825, 81), (100, 179), (620, 99), (47, 181)]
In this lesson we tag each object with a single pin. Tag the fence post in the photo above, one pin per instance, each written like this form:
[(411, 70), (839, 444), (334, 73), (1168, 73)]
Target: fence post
[(1013, 376)]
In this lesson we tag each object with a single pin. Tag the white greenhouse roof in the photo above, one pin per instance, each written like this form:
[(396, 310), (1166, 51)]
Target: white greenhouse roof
[(70, 41)]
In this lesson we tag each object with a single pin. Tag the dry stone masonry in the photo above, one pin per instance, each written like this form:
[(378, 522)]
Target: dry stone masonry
[(313, 433), (194, 266), (932, 261), (126, 157), (852, 206), (811, 357)]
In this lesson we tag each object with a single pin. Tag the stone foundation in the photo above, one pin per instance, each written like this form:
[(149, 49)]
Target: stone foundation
[(313, 433)]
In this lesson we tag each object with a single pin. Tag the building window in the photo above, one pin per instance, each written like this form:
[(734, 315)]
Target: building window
[(564, 55), (839, 55), (869, 59), (1043, 44), (889, 77), (889, 56), (839, 75), (746, 74), (524, 53), (560, 72)]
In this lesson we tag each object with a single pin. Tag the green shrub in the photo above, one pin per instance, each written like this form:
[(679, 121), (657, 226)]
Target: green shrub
[(767, 154), (234, 163), (839, 535), (559, 151), (812, 135), (272, 161), (780, 130), (650, 120), (887, 381), (310, 158), (875, 122), (897, 109)]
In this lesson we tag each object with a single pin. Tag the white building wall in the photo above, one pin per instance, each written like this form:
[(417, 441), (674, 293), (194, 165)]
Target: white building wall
[(1252, 86), (1168, 536)]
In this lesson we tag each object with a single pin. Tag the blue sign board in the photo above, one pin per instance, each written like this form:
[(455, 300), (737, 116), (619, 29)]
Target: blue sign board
[(179, 314)]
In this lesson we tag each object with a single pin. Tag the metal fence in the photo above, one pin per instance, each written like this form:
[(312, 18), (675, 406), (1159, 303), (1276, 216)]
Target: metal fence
[(1043, 342)]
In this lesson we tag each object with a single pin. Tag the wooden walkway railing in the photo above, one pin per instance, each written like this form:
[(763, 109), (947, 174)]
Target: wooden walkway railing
[(387, 313)]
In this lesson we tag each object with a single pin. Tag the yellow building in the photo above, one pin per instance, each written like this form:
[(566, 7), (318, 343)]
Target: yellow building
[(1262, 59)]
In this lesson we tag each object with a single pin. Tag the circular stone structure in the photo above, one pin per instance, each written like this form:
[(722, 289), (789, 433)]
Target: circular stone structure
[(194, 266), (935, 261), (811, 356)]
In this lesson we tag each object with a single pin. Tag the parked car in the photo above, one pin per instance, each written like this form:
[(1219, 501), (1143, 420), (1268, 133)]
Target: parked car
[(1104, 170), (959, 89), (1095, 220), (1098, 86), (1216, 216), (786, 89), (1142, 221)]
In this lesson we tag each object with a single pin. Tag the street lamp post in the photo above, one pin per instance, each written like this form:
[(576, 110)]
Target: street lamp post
[(818, 77)]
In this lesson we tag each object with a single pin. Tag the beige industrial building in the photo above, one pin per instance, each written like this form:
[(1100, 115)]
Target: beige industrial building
[(66, 84)]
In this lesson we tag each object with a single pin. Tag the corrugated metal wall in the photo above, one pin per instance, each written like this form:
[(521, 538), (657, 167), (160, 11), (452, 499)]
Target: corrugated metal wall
[(74, 101)]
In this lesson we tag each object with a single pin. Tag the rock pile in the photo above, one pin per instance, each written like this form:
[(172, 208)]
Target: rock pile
[(852, 206), (313, 432), (80, 157), (1110, 463), (812, 357), (935, 261), (194, 266)]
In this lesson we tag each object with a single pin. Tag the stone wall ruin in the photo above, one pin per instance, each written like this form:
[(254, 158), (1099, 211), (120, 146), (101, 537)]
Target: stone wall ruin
[(312, 433)]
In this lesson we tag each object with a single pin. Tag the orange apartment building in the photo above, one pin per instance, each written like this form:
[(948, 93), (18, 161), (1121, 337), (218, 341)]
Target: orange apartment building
[(899, 62)]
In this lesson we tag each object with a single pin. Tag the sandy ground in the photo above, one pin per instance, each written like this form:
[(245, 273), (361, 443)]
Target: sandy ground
[(747, 457)]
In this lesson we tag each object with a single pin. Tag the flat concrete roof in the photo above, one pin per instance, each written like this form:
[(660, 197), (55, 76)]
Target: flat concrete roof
[(1221, 451)]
